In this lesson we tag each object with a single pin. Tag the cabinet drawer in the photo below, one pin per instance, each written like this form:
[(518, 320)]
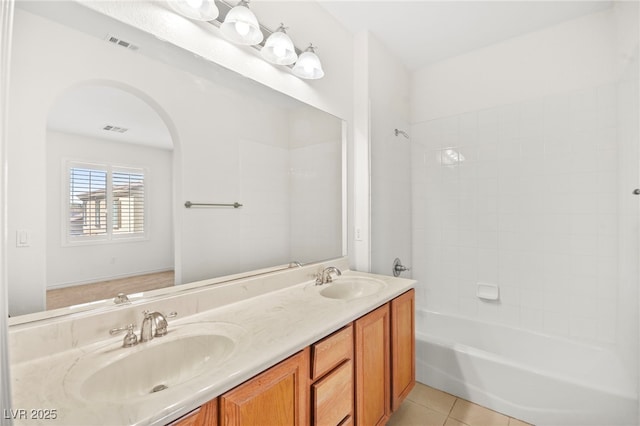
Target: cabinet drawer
[(331, 351), (333, 396)]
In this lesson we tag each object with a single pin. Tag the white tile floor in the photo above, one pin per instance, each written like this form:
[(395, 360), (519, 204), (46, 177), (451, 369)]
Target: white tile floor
[(426, 406)]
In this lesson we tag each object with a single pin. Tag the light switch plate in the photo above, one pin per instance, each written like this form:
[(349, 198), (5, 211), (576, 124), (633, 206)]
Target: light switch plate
[(23, 238)]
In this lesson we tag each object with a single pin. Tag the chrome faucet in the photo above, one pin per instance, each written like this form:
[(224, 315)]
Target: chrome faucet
[(154, 324), (324, 277), (146, 330), (121, 298)]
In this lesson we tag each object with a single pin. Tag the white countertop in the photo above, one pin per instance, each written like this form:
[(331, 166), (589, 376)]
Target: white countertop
[(276, 325)]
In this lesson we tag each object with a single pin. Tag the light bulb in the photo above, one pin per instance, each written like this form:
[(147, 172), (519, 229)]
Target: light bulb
[(196, 4), (200, 10), (308, 65), (242, 28), (279, 51), (278, 48)]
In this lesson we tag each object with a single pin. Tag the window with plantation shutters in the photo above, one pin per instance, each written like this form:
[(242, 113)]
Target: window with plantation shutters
[(106, 202), (128, 202)]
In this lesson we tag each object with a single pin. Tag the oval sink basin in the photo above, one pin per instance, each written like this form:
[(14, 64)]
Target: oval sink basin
[(347, 288), (119, 374)]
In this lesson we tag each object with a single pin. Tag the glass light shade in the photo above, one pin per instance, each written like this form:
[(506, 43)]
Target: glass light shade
[(200, 10), (279, 49), (241, 26), (308, 65)]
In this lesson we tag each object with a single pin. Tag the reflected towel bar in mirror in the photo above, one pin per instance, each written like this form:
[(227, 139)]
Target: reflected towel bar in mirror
[(189, 204)]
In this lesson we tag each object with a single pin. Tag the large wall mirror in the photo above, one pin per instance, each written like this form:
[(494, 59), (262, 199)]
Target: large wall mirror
[(111, 131)]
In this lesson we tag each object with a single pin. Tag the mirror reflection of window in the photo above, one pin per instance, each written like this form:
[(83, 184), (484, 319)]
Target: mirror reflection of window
[(127, 191), (86, 194), (91, 189)]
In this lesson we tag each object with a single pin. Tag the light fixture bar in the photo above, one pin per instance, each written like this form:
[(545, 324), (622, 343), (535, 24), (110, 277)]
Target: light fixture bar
[(225, 7)]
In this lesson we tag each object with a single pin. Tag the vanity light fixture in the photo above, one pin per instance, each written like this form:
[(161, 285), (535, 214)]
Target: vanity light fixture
[(308, 65), (200, 10), (241, 26), (279, 49)]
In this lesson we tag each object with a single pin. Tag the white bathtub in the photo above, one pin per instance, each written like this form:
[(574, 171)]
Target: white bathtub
[(533, 377)]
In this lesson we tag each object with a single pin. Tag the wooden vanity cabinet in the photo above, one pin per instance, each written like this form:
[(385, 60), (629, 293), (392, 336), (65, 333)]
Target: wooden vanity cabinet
[(403, 347), (373, 367), (277, 396), (358, 375)]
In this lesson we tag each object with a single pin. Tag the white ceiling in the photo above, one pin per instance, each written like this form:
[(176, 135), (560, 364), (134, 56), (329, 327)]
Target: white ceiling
[(86, 110), (422, 32)]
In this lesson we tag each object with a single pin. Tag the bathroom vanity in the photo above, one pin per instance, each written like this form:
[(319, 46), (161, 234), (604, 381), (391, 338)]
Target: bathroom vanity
[(373, 355), (273, 348)]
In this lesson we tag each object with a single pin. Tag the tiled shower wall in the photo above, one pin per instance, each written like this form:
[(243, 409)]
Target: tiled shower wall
[(525, 196)]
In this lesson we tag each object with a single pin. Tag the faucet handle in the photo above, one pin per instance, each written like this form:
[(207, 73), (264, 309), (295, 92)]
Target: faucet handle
[(119, 330), (398, 267), (130, 339)]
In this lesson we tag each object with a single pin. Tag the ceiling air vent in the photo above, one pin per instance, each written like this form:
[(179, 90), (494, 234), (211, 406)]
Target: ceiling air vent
[(114, 129), (115, 40)]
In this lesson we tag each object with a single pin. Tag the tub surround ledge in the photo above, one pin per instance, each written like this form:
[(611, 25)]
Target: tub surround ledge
[(281, 313)]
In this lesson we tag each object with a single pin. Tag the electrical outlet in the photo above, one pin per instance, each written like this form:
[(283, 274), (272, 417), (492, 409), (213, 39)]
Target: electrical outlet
[(358, 234)]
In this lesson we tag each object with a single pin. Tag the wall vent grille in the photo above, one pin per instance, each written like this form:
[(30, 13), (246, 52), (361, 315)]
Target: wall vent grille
[(118, 41), (117, 129)]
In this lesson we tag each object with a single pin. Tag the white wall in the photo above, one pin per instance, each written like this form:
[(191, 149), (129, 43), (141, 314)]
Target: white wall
[(390, 159), (628, 124), (517, 167), (315, 176), (571, 56), (229, 156), (358, 153), (68, 265)]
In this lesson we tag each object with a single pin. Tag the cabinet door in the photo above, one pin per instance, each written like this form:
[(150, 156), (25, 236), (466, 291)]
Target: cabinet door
[(276, 397), (403, 347), (206, 415), (373, 401)]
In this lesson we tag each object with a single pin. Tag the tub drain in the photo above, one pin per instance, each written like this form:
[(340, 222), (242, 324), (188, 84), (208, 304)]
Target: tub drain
[(158, 388)]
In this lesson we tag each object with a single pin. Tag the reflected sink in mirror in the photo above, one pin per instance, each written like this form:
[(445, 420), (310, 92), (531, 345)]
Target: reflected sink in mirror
[(117, 374), (348, 288)]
